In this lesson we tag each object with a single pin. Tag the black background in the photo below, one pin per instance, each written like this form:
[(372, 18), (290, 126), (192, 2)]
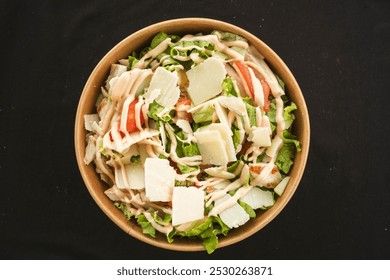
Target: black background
[(339, 52)]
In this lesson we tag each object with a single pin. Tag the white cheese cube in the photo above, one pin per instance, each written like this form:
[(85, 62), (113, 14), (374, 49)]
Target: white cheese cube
[(159, 179), (226, 135), (166, 82), (260, 136), (187, 205), (211, 147), (233, 216), (205, 80)]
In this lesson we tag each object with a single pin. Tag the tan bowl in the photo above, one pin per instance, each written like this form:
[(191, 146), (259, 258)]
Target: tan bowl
[(138, 40)]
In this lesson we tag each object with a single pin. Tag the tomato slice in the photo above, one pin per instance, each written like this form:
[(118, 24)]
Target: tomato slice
[(244, 71), (266, 91), (131, 125), (248, 80), (120, 133)]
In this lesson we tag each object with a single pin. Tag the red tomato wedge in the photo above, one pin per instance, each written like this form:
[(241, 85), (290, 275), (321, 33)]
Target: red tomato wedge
[(266, 90), (244, 73), (131, 125)]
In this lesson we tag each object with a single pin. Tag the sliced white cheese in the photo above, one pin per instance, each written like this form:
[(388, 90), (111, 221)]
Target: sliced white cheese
[(89, 120), (115, 71), (166, 82), (211, 147), (135, 176), (187, 205), (233, 103), (205, 80), (226, 135), (90, 150), (260, 136), (159, 179), (233, 216), (257, 198), (279, 189), (184, 125), (119, 181)]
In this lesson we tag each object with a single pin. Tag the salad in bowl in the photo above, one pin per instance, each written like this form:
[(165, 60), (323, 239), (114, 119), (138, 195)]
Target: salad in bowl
[(192, 136)]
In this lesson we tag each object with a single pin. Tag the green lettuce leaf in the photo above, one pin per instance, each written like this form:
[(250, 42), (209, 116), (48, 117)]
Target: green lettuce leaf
[(133, 59), (285, 156), (228, 36), (205, 114), (198, 229), (161, 36), (248, 209), (124, 209), (289, 138), (208, 232), (228, 87), (210, 243), (155, 109), (186, 169), (236, 136), (146, 226), (288, 116), (251, 113)]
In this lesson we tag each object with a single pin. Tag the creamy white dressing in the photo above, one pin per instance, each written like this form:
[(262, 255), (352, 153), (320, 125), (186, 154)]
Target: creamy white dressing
[(138, 113), (150, 55), (166, 229)]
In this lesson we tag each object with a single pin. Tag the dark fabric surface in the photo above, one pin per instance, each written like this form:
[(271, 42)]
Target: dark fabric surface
[(339, 54)]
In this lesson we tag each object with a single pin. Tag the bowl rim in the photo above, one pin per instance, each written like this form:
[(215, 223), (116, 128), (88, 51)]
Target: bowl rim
[(201, 24)]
